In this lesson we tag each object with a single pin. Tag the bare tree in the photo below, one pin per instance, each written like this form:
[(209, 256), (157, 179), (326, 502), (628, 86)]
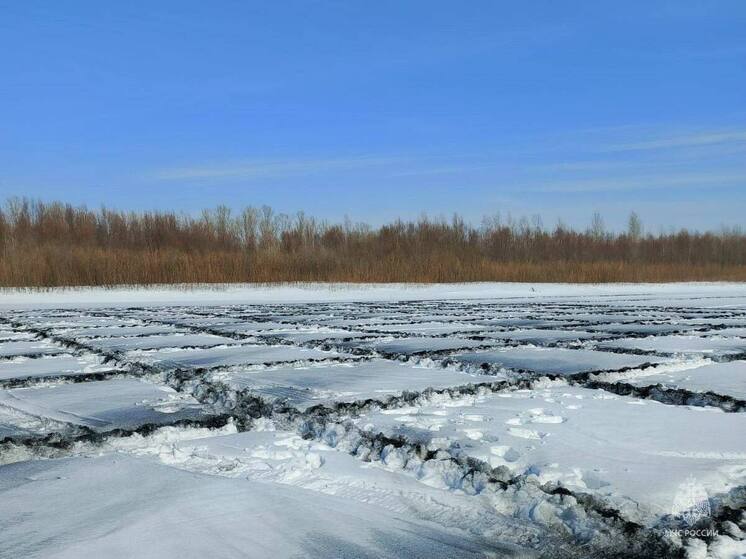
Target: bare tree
[(598, 227), (634, 227), (45, 244)]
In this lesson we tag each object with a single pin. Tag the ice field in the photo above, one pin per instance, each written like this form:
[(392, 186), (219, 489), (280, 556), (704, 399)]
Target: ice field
[(329, 421)]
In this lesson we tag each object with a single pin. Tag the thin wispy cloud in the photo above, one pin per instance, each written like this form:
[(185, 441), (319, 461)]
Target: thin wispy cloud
[(646, 160), (633, 147), (707, 138), (270, 168), (583, 166), (642, 182)]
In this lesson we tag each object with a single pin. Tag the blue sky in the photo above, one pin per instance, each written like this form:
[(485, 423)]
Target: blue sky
[(379, 110)]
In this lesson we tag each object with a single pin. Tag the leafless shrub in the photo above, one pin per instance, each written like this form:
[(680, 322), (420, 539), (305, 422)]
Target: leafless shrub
[(55, 244)]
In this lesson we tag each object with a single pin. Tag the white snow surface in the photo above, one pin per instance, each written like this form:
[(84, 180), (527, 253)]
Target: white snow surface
[(121, 506), (676, 294)]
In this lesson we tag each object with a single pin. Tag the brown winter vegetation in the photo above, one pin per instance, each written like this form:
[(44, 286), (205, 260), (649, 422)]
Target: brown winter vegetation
[(55, 244)]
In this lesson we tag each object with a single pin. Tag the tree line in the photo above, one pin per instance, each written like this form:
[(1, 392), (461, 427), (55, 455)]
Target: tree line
[(55, 244)]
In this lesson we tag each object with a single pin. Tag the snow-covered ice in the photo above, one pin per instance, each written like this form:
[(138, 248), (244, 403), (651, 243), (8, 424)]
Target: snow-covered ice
[(161, 341), (714, 344), (545, 336), (558, 361), (635, 453), (345, 382), (103, 405), (722, 378), (53, 365), (373, 421), (426, 328), (32, 347), (231, 355), (410, 346)]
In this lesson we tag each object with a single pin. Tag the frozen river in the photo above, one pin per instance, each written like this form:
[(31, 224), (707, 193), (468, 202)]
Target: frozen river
[(325, 421)]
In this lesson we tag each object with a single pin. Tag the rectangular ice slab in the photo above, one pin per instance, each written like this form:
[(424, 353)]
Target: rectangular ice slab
[(162, 341), (124, 331), (411, 346), (320, 336), (378, 379), (684, 345), (55, 365), (540, 336), (226, 356), (628, 451), (641, 329), (33, 347), (728, 379), (556, 361), (431, 328), (103, 405)]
